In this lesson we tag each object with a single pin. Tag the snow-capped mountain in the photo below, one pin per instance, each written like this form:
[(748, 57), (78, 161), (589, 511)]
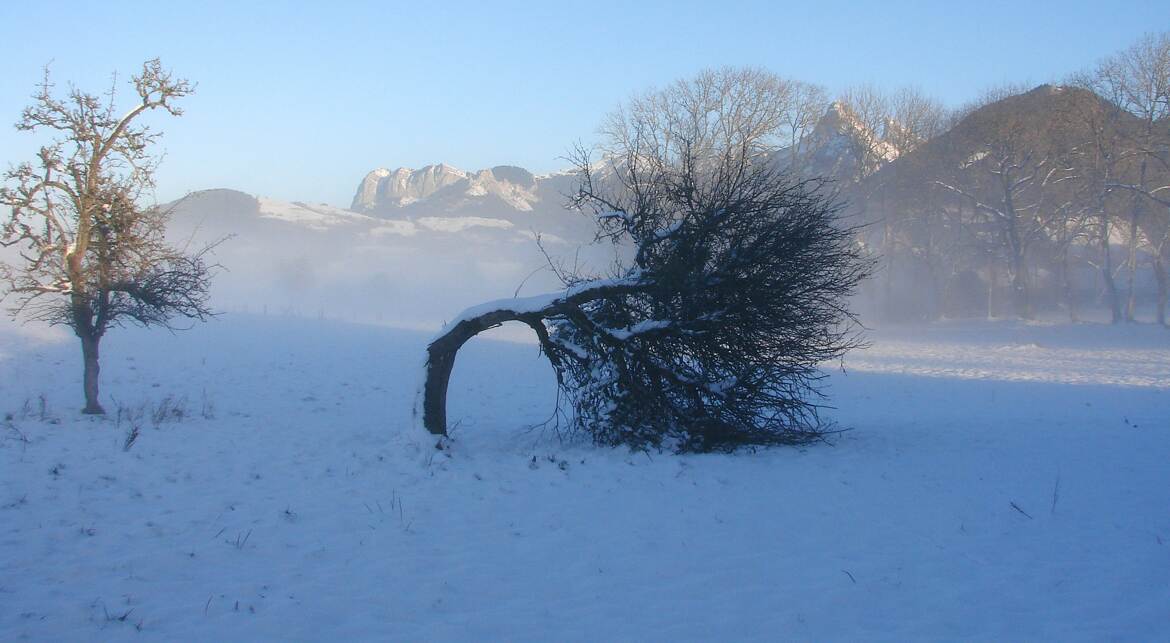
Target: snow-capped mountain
[(838, 148), (383, 188), (510, 195), (409, 192)]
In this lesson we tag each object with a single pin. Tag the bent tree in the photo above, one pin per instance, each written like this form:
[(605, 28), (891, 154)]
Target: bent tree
[(91, 256), (710, 334)]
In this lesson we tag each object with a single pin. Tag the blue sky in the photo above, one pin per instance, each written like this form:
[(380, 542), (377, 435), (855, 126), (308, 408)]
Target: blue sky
[(298, 100)]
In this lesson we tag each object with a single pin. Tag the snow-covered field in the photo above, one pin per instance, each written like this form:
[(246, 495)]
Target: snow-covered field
[(1000, 481)]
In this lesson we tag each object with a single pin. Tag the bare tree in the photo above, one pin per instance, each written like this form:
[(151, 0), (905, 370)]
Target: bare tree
[(710, 335), (91, 256), (914, 118), (1021, 157), (905, 120), (868, 110), (1067, 216), (804, 108), (1137, 81), (1099, 158)]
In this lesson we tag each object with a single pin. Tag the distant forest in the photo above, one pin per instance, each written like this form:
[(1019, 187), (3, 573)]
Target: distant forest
[(1054, 199)]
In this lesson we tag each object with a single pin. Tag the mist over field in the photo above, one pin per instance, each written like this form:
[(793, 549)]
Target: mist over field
[(837, 336)]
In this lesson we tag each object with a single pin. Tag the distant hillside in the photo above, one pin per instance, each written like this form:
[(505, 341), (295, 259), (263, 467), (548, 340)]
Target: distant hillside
[(1016, 208), (292, 256)]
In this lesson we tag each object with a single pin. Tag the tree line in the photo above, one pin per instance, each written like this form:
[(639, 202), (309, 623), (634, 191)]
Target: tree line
[(1022, 202)]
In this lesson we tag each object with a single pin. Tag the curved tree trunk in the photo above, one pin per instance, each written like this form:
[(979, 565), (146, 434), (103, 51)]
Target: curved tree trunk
[(441, 361), (531, 311)]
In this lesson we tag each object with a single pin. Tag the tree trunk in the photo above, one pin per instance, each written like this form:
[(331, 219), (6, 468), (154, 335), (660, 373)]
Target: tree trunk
[(1070, 298), (888, 277), (1163, 284), (1023, 303), (531, 312), (1134, 222), (441, 361), (1107, 275), (89, 353), (991, 281), (1021, 295), (1131, 263)]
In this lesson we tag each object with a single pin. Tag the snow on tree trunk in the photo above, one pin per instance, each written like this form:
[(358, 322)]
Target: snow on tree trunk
[(531, 311), (441, 361)]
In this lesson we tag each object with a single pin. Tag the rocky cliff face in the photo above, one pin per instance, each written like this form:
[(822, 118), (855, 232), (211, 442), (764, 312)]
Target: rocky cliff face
[(383, 188), (385, 192), (501, 191), (840, 147), (505, 193)]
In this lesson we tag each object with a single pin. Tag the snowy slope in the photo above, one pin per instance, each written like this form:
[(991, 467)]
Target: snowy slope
[(292, 500), (316, 217)]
